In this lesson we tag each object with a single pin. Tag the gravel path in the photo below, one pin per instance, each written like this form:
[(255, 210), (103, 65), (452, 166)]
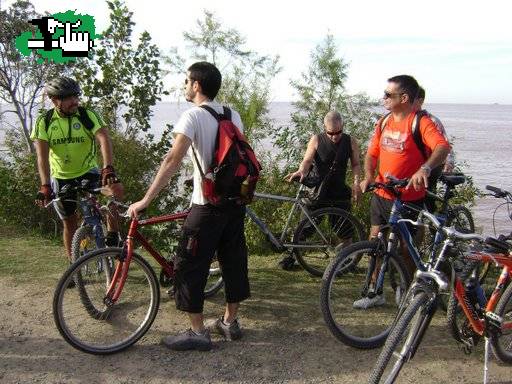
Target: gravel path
[(281, 344)]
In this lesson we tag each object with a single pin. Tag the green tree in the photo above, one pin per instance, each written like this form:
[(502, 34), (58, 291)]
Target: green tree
[(121, 79), (246, 75), (21, 78), (321, 89)]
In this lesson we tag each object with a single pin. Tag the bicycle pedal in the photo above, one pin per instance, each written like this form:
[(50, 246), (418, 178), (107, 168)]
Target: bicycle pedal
[(170, 292), (467, 345), (493, 322)]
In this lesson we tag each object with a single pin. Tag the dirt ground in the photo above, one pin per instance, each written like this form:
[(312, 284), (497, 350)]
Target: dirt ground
[(284, 342)]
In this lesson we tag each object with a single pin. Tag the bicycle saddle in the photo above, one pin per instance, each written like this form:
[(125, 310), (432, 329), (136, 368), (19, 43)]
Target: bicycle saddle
[(452, 180)]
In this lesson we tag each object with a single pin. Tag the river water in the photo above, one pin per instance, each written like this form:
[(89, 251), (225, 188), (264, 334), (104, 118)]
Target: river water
[(481, 136)]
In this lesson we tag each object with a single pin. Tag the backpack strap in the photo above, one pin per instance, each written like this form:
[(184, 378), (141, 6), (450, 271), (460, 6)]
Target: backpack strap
[(225, 116), (48, 118), (416, 134), (197, 162), (83, 117), (384, 121)]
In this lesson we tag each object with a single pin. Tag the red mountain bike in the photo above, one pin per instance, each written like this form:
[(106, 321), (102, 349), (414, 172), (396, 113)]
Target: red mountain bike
[(123, 294)]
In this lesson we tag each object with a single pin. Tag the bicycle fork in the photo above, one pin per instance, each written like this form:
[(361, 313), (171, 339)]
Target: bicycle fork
[(382, 264), (120, 274)]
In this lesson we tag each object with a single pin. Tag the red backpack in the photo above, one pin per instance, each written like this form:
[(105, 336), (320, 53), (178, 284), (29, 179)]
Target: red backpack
[(234, 170)]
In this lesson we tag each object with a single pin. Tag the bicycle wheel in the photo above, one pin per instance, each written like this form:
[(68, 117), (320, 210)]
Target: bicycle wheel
[(347, 280), (83, 242), (404, 339), (317, 247), (214, 282), (462, 219), (502, 344), (121, 324)]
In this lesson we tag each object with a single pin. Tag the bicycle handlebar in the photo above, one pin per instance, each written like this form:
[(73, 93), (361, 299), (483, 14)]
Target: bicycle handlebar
[(390, 185), (498, 192)]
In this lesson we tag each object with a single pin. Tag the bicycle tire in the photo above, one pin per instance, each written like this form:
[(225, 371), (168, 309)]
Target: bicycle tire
[(214, 283), (339, 227), (411, 325), (502, 344), (343, 283), (462, 219), (122, 323), (83, 242)]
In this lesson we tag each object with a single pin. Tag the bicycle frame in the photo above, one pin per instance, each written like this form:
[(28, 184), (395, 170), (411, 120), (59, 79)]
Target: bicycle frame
[(396, 222), (279, 242), (91, 211), (477, 323), (121, 271)]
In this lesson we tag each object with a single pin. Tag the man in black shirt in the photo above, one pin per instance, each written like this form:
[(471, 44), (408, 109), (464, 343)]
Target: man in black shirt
[(329, 153)]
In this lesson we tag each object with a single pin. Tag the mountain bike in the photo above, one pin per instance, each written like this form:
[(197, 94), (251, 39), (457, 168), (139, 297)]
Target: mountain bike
[(318, 236), (375, 269), (459, 326), (124, 300), (491, 319), (91, 233)]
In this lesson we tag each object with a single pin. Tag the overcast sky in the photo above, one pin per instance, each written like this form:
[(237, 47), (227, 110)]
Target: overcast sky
[(460, 51)]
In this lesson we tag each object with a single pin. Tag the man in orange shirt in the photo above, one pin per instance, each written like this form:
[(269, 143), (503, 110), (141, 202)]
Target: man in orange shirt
[(394, 151)]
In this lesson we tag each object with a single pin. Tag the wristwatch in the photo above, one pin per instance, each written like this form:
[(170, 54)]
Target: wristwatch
[(426, 168)]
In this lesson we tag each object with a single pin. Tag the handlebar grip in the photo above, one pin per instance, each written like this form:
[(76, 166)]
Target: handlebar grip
[(502, 246), (497, 191)]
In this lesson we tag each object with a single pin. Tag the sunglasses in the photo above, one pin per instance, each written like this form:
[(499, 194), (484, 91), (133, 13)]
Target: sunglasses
[(334, 133), (388, 95)]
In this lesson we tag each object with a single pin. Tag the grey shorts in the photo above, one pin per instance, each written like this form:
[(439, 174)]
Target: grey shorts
[(68, 208)]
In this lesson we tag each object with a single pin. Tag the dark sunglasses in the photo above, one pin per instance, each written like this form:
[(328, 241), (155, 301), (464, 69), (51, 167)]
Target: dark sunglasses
[(388, 95), (334, 133)]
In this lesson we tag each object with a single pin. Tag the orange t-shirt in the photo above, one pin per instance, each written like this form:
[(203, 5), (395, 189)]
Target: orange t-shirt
[(398, 154)]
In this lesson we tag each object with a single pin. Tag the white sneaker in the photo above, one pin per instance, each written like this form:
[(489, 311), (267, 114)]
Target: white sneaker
[(367, 302)]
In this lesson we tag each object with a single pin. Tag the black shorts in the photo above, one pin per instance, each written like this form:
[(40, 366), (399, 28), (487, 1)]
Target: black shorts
[(208, 229), (380, 209), (67, 208)]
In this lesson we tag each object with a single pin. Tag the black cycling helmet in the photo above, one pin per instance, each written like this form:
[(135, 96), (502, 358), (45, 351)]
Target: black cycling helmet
[(62, 87)]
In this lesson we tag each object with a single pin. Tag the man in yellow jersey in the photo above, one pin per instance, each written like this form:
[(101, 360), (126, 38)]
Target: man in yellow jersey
[(66, 139)]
